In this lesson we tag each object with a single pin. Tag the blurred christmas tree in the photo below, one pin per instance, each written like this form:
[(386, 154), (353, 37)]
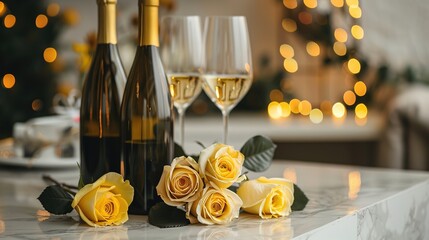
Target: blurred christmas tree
[(28, 30)]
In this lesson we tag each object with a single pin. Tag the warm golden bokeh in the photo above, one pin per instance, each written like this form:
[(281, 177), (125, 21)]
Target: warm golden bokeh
[(313, 49), (274, 110), (276, 95), (50, 54), (304, 107), (9, 21), (349, 97), (41, 21), (361, 111), (9, 80), (316, 116), (285, 109), (357, 32), (310, 3), (290, 65), (340, 48), (287, 51), (289, 25), (294, 105), (360, 88), (291, 4), (340, 35), (353, 65), (355, 12), (338, 110), (36, 105), (53, 9), (305, 18), (337, 3), (2, 8)]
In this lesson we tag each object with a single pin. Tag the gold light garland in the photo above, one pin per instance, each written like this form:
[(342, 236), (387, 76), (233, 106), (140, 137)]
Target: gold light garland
[(278, 108)]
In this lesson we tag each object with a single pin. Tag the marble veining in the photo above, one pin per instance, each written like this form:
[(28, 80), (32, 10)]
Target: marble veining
[(345, 203)]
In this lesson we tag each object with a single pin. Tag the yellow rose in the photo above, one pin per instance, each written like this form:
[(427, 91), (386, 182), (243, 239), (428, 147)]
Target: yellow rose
[(104, 202), (216, 206), (269, 198), (221, 164), (180, 183)]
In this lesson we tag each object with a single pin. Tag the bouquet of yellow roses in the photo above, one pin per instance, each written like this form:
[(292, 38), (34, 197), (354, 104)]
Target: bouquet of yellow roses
[(206, 190)]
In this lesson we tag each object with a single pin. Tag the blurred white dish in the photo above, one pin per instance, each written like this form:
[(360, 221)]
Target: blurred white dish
[(40, 162)]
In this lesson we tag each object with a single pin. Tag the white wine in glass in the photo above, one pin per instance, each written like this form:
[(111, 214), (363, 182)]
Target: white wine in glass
[(181, 54), (227, 68)]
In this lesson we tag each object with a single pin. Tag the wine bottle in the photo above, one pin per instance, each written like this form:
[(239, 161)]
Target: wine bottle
[(146, 115), (102, 93)]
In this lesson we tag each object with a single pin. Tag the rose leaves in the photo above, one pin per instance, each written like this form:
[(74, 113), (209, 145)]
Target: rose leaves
[(56, 200)]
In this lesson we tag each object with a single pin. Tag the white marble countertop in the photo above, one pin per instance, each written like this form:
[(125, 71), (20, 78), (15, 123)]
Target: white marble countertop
[(242, 126), (345, 203)]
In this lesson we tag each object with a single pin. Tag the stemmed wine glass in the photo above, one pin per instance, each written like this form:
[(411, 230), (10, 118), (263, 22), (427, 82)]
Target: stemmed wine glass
[(227, 68), (181, 54)]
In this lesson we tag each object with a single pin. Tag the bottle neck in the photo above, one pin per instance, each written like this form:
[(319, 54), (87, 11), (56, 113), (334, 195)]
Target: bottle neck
[(106, 21), (148, 23)]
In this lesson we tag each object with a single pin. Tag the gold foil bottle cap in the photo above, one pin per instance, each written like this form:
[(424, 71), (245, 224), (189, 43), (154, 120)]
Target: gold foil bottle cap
[(107, 1), (149, 2)]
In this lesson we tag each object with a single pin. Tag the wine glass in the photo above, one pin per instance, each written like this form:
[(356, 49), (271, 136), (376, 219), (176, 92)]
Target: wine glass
[(181, 54), (227, 68)]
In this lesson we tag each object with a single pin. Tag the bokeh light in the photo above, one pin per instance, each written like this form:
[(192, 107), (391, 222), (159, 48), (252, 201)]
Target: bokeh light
[(338, 110), (291, 4), (340, 48), (285, 109), (316, 116), (355, 12), (36, 105), (337, 3), (360, 88), (352, 3), (349, 97), (9, 21), (274, 110), (304, 107), (313, 49), (287, 51), (289, 25), (310, 3), (340, 35), (290, 65), (53, 9), (353, 65), (2, 8), (41, 21), (294, 105), (50, 54), (361, 111), (357, 32), (305, 18), (8, 80)]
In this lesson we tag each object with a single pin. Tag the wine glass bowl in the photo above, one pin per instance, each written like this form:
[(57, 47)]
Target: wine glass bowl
[(227, 64), (181, 54)]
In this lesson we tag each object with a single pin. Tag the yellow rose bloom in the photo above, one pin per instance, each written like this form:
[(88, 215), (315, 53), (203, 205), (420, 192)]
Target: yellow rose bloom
[(216, 206), (221, 164), (180, 183), (269, 198), (104, 202)]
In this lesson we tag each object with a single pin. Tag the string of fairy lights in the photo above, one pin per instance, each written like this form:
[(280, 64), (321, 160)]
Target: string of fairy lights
[(279, 108)]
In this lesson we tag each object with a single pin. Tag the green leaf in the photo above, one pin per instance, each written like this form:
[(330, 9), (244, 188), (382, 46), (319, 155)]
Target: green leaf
[(56, 200), (258, 152), (178, 150), (165, 216), (300, 199)]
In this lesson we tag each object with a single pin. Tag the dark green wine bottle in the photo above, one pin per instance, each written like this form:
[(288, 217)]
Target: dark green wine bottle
[(146, 115), (102, 93)]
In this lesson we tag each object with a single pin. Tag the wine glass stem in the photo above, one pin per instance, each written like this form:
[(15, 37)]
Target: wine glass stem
[(225, 115), (181, 112)]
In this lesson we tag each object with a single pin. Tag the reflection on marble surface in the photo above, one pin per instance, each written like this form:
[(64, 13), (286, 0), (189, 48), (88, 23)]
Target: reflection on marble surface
[(345, 203)]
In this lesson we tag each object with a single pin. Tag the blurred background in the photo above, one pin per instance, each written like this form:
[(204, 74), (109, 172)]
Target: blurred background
[(339, 81)]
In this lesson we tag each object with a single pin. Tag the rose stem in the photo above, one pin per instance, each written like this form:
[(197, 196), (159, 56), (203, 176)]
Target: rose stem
[(65, 186)]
